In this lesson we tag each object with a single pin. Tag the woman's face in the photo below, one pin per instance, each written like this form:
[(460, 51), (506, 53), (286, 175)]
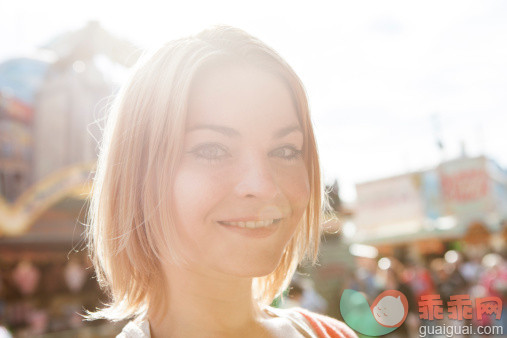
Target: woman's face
[(241, 187)]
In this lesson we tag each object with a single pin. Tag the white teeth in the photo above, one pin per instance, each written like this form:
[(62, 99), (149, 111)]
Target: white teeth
[(250, 224)]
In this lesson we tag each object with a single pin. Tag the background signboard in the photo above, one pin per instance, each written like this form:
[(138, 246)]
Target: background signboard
[(390, 206)]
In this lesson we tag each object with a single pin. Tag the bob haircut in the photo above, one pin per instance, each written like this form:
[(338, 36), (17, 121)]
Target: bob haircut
[(129, 231)]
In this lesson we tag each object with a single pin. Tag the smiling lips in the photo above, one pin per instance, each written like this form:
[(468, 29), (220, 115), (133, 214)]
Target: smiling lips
[(251, 224)]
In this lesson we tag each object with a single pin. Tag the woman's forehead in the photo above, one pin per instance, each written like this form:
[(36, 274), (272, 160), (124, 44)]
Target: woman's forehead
[(241, 97)]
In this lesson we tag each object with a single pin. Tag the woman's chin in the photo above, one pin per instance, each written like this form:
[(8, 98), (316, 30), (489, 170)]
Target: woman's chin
[(253, 270)]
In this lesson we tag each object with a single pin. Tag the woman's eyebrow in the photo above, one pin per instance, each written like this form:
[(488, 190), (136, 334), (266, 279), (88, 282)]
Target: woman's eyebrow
[(287, 130), (220, 129), (233, 132)]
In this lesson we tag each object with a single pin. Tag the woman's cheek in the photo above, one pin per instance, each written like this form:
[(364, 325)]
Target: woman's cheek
[(200, 171), (297, 187), (196, 190)]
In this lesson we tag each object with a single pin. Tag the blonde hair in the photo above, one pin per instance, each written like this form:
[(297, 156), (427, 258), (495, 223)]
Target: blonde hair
[(127, 228)]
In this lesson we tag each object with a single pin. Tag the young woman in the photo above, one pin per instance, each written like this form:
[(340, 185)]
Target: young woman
[(207, 194)]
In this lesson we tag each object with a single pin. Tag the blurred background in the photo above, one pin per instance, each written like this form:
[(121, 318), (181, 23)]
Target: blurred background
[(410, 109)]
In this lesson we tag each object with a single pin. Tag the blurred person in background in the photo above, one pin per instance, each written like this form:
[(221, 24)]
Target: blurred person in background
[(207, 194), (448, 279), (493, 283), (303, 294), (366, 280), (394, 281), (420, 279), (294, 296), (471, 269), (312, 300)]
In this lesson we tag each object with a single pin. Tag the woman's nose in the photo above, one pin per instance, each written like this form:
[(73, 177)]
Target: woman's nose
[(256, 179)]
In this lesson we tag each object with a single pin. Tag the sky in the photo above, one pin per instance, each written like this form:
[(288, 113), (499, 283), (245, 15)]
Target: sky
[(384, 78)]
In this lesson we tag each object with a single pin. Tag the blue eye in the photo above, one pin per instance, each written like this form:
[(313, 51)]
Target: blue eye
[(210, 152), (287, 153)]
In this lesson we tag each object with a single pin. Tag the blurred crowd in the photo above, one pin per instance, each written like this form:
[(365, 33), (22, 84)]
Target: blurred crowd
[(42, 295), (454, 273)]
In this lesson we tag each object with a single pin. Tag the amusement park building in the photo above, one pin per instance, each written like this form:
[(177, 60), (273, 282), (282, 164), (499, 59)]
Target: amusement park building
[(461, 202), (52, 106)]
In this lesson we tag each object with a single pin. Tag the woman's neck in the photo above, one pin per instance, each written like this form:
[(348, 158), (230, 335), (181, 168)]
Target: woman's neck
[(205, 301)]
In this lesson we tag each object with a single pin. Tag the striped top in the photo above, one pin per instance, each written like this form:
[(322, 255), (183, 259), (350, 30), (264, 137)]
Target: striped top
[(309, 324)]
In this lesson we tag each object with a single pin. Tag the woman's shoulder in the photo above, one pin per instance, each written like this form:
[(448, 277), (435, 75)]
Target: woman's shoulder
[(317, 324), (309, 323), (135, 329), (326, 326)]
